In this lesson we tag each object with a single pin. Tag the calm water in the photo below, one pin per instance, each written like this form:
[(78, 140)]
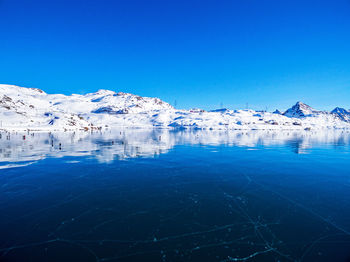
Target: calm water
[(136, 195)]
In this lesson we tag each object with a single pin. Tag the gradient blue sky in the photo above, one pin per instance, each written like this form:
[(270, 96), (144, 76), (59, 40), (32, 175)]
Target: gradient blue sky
[(200, 53)]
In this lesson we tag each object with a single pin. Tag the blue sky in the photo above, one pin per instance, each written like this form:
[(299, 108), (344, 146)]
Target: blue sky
[(199, 53)]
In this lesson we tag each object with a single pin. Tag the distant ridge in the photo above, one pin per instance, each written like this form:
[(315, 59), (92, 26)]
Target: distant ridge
[(32, 109)]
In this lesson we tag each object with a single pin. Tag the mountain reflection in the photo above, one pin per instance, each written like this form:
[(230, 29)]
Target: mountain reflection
[(19, 149)]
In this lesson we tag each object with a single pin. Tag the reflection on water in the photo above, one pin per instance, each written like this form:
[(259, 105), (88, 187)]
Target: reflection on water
[(180, 196), (26, 148)]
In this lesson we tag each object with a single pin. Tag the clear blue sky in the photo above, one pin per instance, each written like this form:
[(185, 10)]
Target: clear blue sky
[(201, 53)]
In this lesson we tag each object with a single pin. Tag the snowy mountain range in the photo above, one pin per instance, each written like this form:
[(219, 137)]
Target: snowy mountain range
[(32, 109)]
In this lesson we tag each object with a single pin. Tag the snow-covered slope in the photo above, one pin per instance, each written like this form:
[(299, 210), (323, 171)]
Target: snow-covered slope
[(27, 108), (33, 108)]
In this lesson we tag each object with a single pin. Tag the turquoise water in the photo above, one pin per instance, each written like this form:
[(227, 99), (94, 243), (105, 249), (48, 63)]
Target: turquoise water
[(157, 195)]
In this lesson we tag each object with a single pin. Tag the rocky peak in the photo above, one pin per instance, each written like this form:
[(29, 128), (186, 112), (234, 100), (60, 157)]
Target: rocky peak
[(300, 110)]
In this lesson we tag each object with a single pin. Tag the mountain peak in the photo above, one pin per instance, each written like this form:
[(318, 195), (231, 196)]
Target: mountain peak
[(341, 113), (303, 105), (104, 92), (300, 109), (340, 110)]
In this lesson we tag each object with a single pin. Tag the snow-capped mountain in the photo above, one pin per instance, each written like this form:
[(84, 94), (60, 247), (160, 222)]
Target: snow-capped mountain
[(342, 113), (300, 110), (29, 107), (32, 109)]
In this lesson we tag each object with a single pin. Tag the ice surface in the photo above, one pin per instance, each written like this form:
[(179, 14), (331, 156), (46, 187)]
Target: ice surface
[(175, 196), (20, 148)]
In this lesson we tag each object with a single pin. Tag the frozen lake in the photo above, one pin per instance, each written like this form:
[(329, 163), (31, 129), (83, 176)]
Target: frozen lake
[(159, 195)]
